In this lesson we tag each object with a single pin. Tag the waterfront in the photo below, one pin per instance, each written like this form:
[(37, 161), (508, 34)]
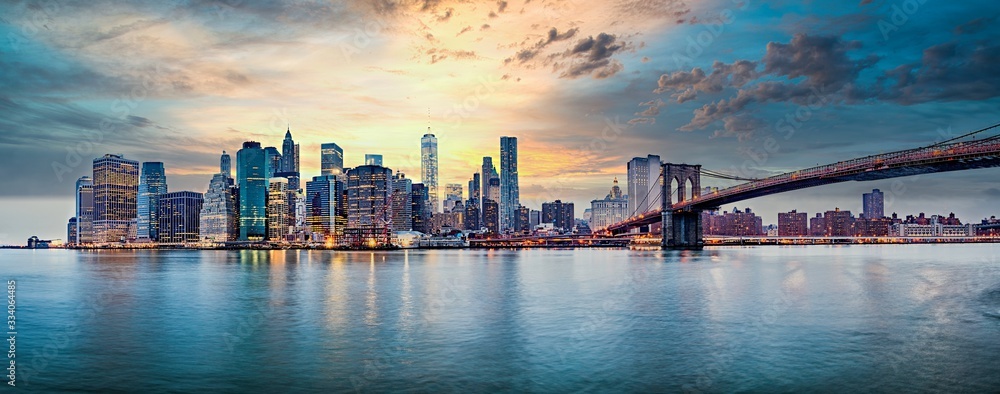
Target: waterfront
[(844, 318)]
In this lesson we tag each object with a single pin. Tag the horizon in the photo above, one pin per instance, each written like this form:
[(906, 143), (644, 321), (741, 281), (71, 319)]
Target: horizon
[(583, 92)]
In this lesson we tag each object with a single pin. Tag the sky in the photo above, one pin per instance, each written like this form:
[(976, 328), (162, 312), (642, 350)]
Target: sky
[(584, 85)]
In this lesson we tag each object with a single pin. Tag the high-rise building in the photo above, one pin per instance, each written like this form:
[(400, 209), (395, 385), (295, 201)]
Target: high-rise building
[(402, 210), (331, 159), (486, 175), (226, 165), (494, 190), (535, 217), (152, 185), (116, 189), (429, 169), (85, 210), (793, 224), (289, 154), (218, 217), (644, 184), (326, 208), (274, 162), (419, 208), (472, 216), (491, 216), (453, 193), (612, 209), (369, 206), (71, 232), (373, 160), (510, 193), (874, 204), (838, 223), (474, 185), (251, 177), (560, 214), (522, 222), (277, 209), (179, 216)]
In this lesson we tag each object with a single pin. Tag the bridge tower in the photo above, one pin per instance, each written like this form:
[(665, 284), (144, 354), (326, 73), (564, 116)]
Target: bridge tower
[(681, 228)]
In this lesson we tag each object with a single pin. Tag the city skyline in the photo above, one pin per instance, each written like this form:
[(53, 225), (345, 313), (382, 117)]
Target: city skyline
[(576, 111)]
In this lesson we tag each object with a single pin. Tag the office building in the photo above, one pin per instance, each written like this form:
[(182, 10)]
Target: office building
[(419, 208), (373, 160), (610, 210), (793, 224), (218, 217), (331, 159), (873, 205), (489, 172), (535, 218), (522, 221), (644, 184), (472, 215), (402, 211), (560, 214), (152, 185), (326, 206), (116, 189), (179, 216), (277, 209), (453, 193), (491, 216), (510, 194), (84, 211), (429, 169), (369, 205), (251, 177)]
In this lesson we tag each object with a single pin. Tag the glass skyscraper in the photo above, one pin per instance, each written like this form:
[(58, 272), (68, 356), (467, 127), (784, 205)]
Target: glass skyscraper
[(152, 185), (251, 177), (273, 162), (331, 159), (116, 188), (84, 210), (643, 184), (429, 168), (510, 198), (325, 206)]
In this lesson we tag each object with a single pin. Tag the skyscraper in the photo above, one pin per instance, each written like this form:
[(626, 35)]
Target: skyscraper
[(453, 194), (289, 154), (277, 209), (643, 184), (373, 160), (491, 216), (560, 214), (429, 169), (419, 208), (488, 173), (369, 207), (226, 165), (251, 177), (331, 159), (402, 210), (474, 186), (84, 210), (612, 209), (510, 198), (274, 161), (874, 204), (152, 185), (218, 219), (325, 206), (179, 217), (116, 189)]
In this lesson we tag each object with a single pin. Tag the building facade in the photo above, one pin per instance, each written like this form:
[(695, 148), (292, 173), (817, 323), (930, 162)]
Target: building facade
[(402, 211), (874, 204), (612, 209), (251, 178), (373, 160), (331, 159), (560, 214), (326, 207), (179, 215), (369, 205), (84, 211), (643, 182), (491, 216), (218, 217), (152, 185), (277, 209), (510, 194), (419, 208), (116, 190), (793, 224), (429, 169)]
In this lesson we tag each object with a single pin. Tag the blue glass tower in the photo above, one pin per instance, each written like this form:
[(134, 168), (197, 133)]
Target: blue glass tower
[(152, 185), (251, 177)]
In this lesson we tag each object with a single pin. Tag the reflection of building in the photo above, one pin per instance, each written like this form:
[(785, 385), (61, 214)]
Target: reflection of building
[(643, 182), (369, 205), (510, 198), (793, 224), (560, 214), (116, 188), (429, 169), (179, 215), (251, 178), (152, 185), (218, 211), (612, 209), (331, 159)]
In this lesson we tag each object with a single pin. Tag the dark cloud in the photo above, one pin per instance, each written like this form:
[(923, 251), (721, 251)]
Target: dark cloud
[(592, 56), (975, 26), (501, 6), (947, 72), (527, 54)]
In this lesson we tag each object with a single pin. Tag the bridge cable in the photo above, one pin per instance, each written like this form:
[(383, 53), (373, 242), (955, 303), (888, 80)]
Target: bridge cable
[(963, 136)]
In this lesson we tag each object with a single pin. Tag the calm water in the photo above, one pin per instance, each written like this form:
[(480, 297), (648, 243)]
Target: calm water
[(872, 318)]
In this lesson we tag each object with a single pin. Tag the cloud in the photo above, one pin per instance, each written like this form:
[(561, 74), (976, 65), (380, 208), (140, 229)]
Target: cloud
[(593, 56)]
